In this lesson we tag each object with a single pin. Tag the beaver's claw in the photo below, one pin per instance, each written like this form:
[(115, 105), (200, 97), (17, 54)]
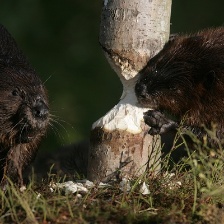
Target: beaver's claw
[(158, 122)]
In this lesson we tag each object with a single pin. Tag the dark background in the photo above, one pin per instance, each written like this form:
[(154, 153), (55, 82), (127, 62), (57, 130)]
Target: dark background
[(60, 38)]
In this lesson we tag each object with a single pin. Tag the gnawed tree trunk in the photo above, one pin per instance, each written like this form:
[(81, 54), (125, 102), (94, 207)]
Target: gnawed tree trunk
[(131, 32)]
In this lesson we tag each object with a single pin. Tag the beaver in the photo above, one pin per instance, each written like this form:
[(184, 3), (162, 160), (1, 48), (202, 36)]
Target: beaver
[(24, 110), (185, 80)]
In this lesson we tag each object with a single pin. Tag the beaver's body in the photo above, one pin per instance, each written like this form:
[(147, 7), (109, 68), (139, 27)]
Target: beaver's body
[(24, 111), (186, 79)]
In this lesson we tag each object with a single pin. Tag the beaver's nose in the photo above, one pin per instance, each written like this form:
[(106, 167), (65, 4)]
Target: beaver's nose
[(140, 90), (40, 110)]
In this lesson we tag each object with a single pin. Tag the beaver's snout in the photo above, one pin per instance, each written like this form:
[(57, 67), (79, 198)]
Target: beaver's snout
[(40, 110), (31, 120)]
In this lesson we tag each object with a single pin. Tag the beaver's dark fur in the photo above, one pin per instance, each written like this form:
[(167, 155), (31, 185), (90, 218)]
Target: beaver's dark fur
[(24, 112), (185, 79)]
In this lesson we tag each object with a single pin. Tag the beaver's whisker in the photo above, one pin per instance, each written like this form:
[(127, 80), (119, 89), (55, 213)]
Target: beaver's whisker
[(47, 79), (15, 125), (56, 132), (59, 124), (57, 118), (21, 131)]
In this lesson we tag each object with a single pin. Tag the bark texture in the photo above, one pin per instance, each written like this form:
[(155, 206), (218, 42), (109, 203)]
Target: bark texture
[(131, 32)]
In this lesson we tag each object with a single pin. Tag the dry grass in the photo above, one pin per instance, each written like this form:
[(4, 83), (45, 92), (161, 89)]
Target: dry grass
[(194, 193)]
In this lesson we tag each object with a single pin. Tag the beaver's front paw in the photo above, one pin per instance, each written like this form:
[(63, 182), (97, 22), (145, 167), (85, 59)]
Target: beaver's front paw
[(158, 122)]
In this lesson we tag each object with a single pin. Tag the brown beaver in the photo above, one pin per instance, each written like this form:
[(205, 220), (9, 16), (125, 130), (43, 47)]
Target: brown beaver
[(185, 79), (24, 112)]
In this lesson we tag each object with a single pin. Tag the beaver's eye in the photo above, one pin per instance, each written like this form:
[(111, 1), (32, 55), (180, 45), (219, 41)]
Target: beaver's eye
[(15, 92), (172, 87)]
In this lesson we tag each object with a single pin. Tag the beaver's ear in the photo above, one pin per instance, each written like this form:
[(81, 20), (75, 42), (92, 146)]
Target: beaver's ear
[(209, 80)]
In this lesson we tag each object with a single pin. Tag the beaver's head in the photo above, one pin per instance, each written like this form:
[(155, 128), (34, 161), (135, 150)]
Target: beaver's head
[(24, 113), (184, 76)]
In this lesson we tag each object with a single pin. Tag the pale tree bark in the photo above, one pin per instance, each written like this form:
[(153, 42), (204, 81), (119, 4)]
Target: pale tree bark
[(131, 32)]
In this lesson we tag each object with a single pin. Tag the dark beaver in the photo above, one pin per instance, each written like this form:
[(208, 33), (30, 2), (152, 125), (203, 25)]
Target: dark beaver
[(24, 112), (185, 79)]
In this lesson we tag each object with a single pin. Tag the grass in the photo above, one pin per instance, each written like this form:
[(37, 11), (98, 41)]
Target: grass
[(194, 193)]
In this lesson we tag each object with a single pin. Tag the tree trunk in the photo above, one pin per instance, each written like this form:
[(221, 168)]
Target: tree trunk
[(131, 32)]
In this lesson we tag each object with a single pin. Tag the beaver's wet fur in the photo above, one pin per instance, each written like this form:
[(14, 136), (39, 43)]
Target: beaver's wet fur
[(186, 80), (24, 113)]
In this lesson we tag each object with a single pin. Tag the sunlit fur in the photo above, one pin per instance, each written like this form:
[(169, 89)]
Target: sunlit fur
[(187, 77), (22, 97)]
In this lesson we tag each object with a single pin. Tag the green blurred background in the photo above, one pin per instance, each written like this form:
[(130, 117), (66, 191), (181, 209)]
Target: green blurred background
[(60, 38)]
